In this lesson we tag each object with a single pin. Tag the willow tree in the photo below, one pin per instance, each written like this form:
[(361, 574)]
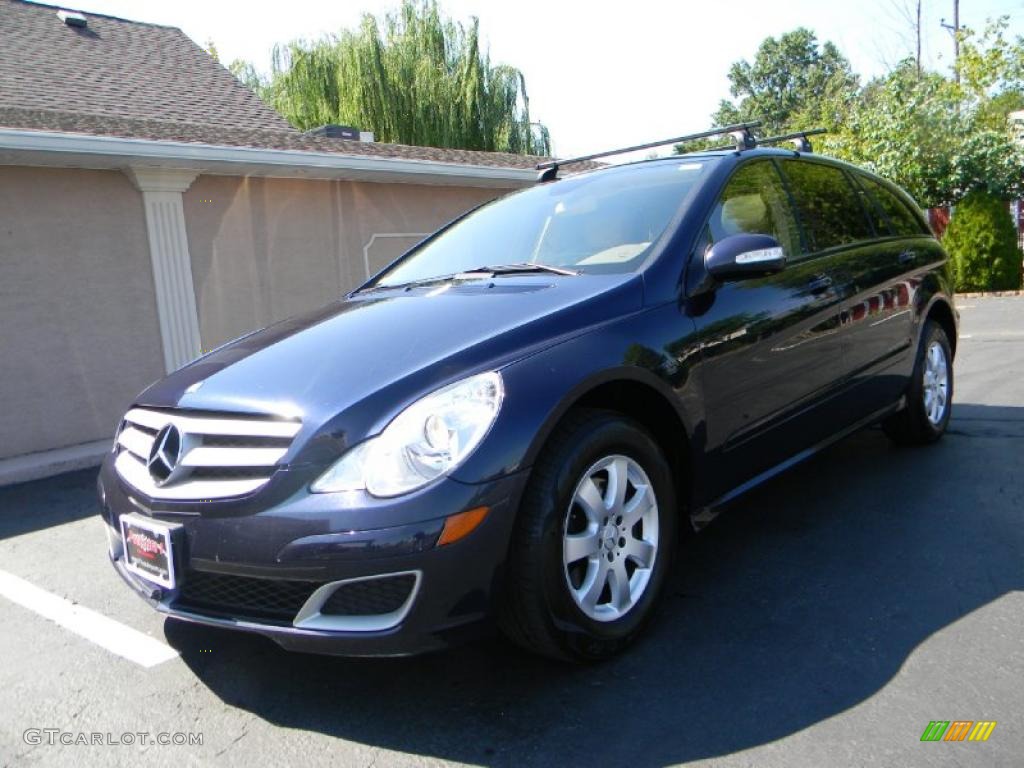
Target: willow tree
[(413, 77)]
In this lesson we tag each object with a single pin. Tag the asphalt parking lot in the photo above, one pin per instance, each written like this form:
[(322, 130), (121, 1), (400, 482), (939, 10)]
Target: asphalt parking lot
[(825, 620)]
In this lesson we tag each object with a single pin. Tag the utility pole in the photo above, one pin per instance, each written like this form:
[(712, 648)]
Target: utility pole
[(954, 29), (917, 30)]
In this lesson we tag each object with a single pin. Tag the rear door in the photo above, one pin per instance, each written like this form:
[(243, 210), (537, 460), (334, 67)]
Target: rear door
[(880, 314), (841, 224), (770, 346)]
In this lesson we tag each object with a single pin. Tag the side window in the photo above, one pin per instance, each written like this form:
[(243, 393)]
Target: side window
[(755, 202), (901, 219), (829, 207), (876, 215)]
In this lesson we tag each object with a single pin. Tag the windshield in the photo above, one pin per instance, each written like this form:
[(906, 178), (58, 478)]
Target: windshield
[(600, 222)]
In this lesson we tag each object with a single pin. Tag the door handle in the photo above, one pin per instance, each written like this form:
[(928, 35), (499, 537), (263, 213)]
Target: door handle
[(820, 284), (906, 257)]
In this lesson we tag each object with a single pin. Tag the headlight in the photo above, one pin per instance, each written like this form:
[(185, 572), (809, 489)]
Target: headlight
[(428, 439)]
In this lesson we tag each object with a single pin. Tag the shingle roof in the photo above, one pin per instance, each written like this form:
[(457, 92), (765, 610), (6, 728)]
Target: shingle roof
[(135, 80), (166, 130), (121, 69)]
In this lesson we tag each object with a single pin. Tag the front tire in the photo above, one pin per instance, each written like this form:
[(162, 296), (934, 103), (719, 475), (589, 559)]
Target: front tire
[(593, 542), (930, 394)]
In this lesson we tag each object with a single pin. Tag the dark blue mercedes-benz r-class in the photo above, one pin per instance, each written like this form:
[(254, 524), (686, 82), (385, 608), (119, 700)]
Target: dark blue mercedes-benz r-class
[(517, 420)]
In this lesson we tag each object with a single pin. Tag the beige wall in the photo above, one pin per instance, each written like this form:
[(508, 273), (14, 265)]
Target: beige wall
[(79, 334), (263, 249), (78, 329)]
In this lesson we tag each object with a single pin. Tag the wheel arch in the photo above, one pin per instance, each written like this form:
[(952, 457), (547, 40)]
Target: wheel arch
[(941, 311), (643, 397)]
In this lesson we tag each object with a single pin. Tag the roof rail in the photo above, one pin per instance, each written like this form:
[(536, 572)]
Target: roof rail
[(799, 139), (741, 133)]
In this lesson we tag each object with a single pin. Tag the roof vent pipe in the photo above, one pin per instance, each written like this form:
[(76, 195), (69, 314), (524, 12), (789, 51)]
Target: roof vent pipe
[(332, 131), (73, 18)]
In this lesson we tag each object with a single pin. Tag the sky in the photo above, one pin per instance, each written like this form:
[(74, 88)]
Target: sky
[(599, 74)]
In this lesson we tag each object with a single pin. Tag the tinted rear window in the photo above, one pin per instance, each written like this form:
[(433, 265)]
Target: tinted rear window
[(829, 208), (899, 218)]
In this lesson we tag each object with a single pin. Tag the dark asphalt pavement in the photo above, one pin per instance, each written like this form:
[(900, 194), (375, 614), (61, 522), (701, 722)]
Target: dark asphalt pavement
[(824, 620)]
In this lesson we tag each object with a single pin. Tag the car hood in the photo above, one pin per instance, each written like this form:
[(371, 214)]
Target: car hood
[(395, 344)]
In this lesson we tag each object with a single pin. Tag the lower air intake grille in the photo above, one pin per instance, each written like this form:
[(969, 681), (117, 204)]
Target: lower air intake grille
[(370, 597), (243, 597)]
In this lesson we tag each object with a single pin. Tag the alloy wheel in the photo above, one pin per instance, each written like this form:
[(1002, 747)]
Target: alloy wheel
[(936, 383), (610, 538)]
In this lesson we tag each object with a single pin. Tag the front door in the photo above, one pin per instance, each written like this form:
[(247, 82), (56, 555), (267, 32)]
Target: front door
[(770, 345)]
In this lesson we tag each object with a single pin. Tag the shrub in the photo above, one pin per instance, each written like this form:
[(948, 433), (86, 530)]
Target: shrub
[(982, 245)]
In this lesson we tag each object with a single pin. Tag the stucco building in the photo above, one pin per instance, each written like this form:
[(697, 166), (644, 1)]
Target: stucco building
[(151, 207)]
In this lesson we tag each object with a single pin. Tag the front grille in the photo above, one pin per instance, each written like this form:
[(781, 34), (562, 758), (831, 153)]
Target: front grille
[(250, 441), (217, 455), (228, 473), (370, 597), (243, 597)]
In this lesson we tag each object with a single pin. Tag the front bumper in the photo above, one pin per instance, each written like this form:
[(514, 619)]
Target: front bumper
[(289, 546)]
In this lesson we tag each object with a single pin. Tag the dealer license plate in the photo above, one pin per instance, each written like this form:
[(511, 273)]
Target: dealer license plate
[(148, 549)]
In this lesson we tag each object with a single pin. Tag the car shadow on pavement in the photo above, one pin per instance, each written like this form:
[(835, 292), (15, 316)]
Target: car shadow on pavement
[(38, 504), (803, 600)]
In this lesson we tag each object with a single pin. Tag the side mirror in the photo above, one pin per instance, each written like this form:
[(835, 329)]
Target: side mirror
[(744, 255)]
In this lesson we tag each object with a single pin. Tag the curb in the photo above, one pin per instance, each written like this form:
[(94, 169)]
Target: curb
[(988, 294), (35, 466)]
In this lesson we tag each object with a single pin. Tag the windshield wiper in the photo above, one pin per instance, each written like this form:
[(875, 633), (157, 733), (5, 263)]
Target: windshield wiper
[(522, 266), (500, 269)]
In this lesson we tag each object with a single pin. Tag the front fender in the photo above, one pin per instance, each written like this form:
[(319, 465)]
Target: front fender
[(540, 389)]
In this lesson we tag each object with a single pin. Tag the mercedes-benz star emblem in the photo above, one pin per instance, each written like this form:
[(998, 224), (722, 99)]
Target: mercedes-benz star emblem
[(164, 455)]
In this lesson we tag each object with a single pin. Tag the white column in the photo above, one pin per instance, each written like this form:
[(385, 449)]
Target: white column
[(172, 265)]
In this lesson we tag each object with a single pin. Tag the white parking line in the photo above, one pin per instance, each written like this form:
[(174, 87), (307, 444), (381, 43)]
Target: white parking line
[(115, 637)]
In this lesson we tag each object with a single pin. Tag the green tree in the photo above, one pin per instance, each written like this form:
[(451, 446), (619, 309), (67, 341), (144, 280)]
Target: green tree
[(936, 137), (247, 73), (413, 77), (982, 245), (992, 72), (920, 132), (793, 82)]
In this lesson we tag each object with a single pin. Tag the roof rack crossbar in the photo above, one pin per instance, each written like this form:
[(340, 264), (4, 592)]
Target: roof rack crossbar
[(799, 139), (743, 129)]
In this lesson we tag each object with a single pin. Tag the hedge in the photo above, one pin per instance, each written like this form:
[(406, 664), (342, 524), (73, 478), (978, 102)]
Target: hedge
[(982, 245)]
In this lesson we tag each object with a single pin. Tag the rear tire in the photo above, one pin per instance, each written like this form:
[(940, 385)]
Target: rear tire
[(593, 541), (930, 394)]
